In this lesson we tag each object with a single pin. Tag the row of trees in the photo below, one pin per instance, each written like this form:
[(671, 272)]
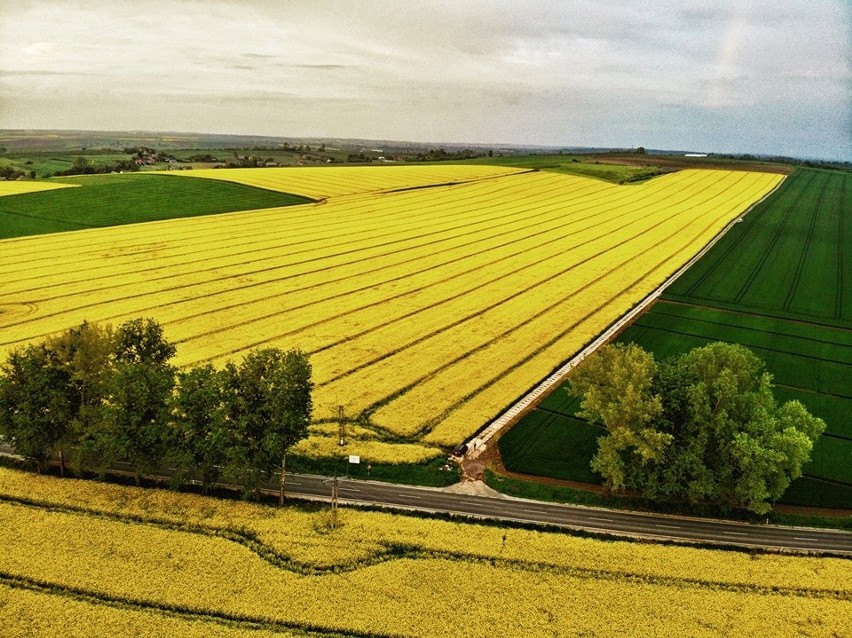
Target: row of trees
[(11, 173), (440, 154), (99, 395), (82, 166), (700, 427)]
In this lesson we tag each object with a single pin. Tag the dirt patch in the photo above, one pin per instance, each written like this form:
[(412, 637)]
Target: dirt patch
[(489, 458), (675, 162), (476, 488)]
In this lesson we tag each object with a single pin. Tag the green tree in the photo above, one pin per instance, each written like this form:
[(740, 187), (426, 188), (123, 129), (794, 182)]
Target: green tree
[(86, 352), (142, 341), (35, 408), (734, 445), (293, 405), (702, 427), (136, 415), (616, 386), (80, 166), (137, 408), (199, 439), (268, 399)]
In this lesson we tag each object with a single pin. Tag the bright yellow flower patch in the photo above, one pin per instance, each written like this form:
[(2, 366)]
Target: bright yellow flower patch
[(425, 311), (119, 550), (40, 614), (320, 182), (19, 187)]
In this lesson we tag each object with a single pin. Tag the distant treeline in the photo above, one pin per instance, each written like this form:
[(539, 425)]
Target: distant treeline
[(780, 159), (82, 166), (10, 173), (439, 154)]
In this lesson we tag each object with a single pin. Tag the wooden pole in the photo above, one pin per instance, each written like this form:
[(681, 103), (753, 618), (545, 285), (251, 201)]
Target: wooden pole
[(283, 477)]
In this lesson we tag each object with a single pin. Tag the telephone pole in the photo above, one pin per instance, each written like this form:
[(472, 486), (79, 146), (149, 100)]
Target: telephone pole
[(342, 431), (335, 493)]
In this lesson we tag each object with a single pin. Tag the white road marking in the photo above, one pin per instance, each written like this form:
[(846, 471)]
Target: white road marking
[(605, 520), (670, 526)]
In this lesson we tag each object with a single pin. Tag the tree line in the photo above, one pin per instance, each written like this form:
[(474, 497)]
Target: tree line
[(697, 428), (94, 396), (82, 166)]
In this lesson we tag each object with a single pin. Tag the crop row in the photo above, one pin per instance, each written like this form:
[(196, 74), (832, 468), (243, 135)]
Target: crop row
[(33, 609), (424, 310), (335, 181), (789, 258)]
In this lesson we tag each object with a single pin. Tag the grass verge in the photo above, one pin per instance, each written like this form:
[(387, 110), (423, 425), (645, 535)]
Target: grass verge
[(562, 494)]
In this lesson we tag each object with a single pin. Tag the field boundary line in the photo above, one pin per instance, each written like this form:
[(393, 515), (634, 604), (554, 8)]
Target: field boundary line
[(527, 403)]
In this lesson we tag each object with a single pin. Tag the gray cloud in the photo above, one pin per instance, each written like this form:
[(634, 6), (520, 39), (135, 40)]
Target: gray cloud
[(42, 72), (726, 75)]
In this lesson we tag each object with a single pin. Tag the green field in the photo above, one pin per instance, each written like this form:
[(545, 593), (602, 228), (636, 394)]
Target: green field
[(791, 258), (579, 165), (110, 200), (780, 282)]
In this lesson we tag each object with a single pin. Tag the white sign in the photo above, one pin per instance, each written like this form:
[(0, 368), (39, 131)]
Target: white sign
[(354, 458)]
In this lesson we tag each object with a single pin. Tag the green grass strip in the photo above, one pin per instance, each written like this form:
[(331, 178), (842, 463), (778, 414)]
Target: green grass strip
[(111, 200)]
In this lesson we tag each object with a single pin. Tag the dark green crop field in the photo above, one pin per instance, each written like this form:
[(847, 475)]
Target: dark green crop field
[(110, 200), (779, 282), (791, 257)]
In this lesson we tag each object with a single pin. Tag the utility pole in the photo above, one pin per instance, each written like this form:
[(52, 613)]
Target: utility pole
[(335, 493), (342, 430)]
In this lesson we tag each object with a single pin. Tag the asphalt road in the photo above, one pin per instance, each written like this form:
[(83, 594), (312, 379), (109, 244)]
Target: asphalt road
[(598, 520), (604, 521)]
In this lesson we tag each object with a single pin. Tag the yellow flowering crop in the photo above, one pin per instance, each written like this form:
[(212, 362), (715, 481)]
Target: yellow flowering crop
[(19, 187), (425, 311), (320, 182), (37, 613), (119, 555)]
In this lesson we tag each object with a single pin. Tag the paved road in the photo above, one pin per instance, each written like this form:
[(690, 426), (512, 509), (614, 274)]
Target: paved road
[(604, 521)]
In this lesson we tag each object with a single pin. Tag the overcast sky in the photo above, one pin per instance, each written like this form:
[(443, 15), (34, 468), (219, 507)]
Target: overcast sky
[(760, 76)]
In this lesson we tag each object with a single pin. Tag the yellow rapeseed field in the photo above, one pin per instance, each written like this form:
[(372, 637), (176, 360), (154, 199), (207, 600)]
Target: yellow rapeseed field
[(81, 552), (425, 311), (320, 182), (19, 187)]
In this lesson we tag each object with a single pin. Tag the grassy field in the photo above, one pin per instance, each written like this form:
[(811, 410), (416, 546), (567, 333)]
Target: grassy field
[(105, 557), (424, 310), (625, 167), (111, 200), (774, 284), (48, 163), (791, 259), (577, 165)]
